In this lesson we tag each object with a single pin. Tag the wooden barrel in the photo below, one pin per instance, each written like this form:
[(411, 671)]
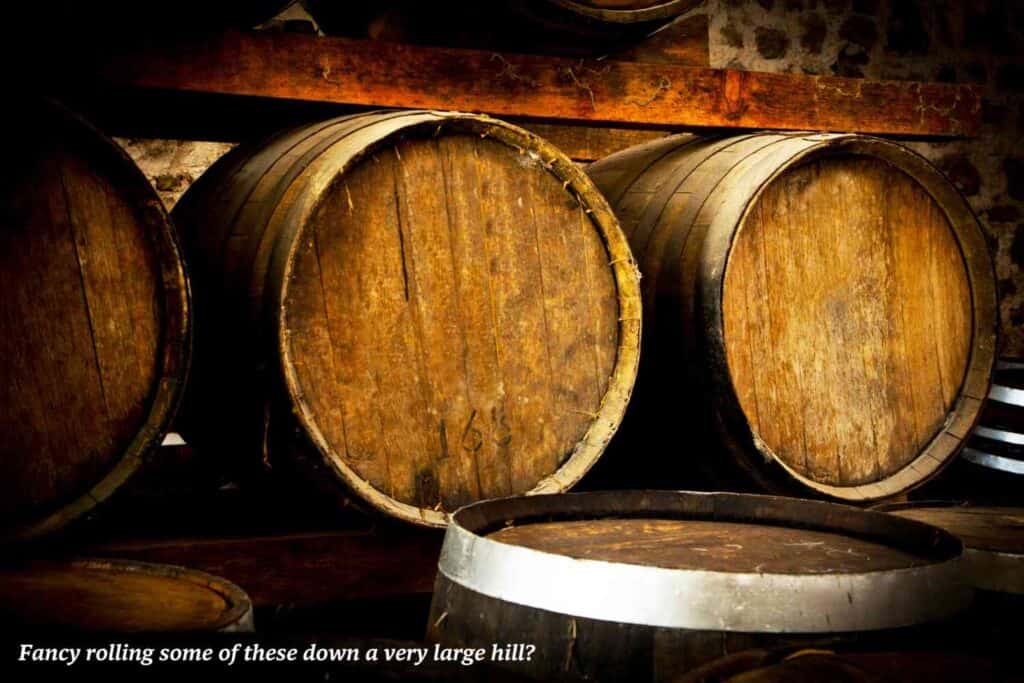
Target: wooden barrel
[(827, 302), (623, 585), (993, 539), (546, 26), (95, 312), (118, 596), (426, 308), (997, 443), (622, 14)]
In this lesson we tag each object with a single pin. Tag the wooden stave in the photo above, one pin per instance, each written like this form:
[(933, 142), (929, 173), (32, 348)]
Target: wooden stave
[(693, 281), (273, 244), (574, 647), (237, 618), (994, 565), (176, 343)]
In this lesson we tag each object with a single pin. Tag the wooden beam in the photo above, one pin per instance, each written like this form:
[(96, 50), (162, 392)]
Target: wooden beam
[(365, 73), (590, 143), (302, 569)]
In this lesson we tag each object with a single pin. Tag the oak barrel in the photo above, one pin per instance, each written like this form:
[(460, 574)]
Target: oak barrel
[(571, 27), (993, 539), (632, 585), (424, 308), (94, 309), (825, 301), (119, 596)]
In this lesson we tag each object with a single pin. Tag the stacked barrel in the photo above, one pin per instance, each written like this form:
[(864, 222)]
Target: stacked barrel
[(420, 311), (824, 303)]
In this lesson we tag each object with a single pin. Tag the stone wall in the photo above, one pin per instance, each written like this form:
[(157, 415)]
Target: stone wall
[(932, 40)]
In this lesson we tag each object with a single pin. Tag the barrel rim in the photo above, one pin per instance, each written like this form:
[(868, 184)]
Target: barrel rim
[(966, 410), (175, 347), (626, 275), (238, 613), (720, 601), (668, 9), (989, 568)]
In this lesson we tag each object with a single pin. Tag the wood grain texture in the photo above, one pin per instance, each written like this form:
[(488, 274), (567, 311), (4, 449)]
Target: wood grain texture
[(847, 317), (119, 597), (456, 309), (590, 143), (999, 529), (832, 297), (707, 545), (345, 71), (93, 310)]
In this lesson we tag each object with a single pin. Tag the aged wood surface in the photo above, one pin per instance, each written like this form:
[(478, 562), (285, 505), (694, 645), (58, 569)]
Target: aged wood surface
[(499, 341), (94, 310), (1000, 529), (345, 71), (118, 597), (833, 293), (847, 318), (589, 143), (706, 545), (301, 569), (457, 311)]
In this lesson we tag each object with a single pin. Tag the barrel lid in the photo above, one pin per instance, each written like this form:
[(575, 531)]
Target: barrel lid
[(120, 596), (993, 539), (712, 561), (98, 310)]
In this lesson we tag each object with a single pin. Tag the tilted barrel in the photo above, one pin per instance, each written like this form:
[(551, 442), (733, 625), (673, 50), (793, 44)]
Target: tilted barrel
[(993, 539), (426, 309), (94, 308), (572, 27), (827, 302), (119, 596), (644, 585)]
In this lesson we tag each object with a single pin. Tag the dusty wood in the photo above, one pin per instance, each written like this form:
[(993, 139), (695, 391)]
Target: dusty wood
[(622, 529), (684, 42), (354, 72), (590, 143), (847, 316), (120, 597), (95, 314), (711, 546), (833, 293), (455, 311), (302, 569), (1000, 529)]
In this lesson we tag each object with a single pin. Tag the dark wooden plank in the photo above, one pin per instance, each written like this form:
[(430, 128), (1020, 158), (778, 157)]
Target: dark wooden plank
[(344, 71), (301, 569)]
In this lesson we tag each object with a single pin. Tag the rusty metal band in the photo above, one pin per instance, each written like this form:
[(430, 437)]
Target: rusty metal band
[(698, 599)]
